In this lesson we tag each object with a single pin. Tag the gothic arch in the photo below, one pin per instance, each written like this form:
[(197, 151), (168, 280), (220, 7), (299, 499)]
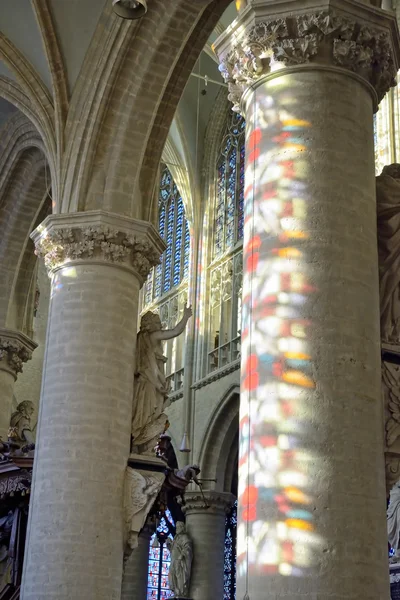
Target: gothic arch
[(221, 440), (23, 196)]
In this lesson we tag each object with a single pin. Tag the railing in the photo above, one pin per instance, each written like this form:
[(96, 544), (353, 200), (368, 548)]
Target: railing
[(225, 354), (176, 381)]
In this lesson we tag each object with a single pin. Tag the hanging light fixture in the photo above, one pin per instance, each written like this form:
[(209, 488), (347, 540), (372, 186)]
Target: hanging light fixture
[(130, 9), (185, 444)]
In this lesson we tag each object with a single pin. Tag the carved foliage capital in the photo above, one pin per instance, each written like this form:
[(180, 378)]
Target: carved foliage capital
[(63, 245), (15, 350), (325, 37)]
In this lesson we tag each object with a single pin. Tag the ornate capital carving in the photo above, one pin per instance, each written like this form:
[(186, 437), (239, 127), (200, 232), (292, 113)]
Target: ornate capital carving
[(210, 502), (15, 349), (362, 40), (98, 235)]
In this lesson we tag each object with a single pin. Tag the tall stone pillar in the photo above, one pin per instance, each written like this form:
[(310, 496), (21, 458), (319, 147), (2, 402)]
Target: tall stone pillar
[(15, 349), (97, 263), (205, 524), (307, 76), (134, 579)]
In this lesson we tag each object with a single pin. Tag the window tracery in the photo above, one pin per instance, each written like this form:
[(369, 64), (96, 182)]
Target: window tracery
[(226, 311), (174, 229), (229, 215), (160, 560)]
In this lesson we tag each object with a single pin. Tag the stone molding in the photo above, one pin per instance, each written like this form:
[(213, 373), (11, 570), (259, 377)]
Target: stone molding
[(362, 41), (217, 502), (217, 374), (15, 349), (98, 236)]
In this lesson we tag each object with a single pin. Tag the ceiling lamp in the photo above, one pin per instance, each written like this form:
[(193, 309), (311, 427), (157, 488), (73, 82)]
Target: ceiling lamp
[(130, 9)]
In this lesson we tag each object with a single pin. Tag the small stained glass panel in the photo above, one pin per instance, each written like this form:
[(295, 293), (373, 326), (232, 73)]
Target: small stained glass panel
[(160, 560)]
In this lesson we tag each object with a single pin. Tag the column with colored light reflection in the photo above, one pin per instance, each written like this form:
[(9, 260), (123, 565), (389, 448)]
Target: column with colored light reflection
[(311, 476)]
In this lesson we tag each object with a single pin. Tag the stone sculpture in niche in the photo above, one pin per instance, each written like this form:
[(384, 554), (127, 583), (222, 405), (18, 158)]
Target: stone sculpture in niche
[(393, 521), (151, 389), (20, 430), (141, 490), (388, 212), (181, 548)]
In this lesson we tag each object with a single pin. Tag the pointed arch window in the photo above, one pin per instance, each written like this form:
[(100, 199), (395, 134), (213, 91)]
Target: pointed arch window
[(160, 560), (174, 229), (229, 201)]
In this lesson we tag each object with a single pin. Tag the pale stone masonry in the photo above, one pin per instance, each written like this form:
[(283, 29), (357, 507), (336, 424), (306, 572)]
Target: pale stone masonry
[(97, 262), (319, 69), (205, 524)]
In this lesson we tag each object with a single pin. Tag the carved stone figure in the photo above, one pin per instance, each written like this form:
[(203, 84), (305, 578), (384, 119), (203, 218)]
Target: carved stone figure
[(393, 520), (20, 424), (151, 388), (388, 209), (181, 548), (141, 490)]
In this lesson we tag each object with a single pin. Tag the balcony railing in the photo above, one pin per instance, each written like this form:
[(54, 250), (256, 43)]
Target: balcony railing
[(225, 354)]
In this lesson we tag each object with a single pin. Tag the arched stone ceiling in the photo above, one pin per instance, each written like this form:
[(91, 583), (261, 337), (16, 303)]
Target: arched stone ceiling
[(75, 22), (18, 23)]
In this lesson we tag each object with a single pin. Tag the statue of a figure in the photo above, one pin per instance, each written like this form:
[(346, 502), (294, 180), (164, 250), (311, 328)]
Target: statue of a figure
[(388, 212), (393, 520), (151, 389), (188, 473), (20, 424), (181, 548)]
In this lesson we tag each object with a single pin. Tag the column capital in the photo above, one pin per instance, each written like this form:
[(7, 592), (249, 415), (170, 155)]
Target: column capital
[(15, 349), (210, 502), (99, 236), (332, 34)]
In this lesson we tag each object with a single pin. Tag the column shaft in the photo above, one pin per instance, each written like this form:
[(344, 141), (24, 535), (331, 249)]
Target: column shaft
[(206, 526), (135, 577), (311, 356), (311, 470), (76, 534)]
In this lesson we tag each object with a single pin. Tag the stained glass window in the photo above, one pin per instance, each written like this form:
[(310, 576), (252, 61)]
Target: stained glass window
[(160, 560), (228, 217), (230, 555), (174, 229)]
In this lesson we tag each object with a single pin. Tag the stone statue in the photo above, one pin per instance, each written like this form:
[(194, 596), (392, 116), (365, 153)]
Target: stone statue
[(20, 424), (181, 548), (388, 213), (151, 389), (393, 520), (188, 473), (140, 492)]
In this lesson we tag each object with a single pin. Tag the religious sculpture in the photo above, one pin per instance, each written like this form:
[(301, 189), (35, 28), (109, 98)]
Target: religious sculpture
[(181, 548), (20, 430), (140, 492), (393, 520), (151, 387), (388, 213)]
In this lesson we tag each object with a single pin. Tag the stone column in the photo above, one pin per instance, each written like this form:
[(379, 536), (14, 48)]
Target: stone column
[(205, 523), (307, 77), (97, 263), (134, 579), (15, 349)]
